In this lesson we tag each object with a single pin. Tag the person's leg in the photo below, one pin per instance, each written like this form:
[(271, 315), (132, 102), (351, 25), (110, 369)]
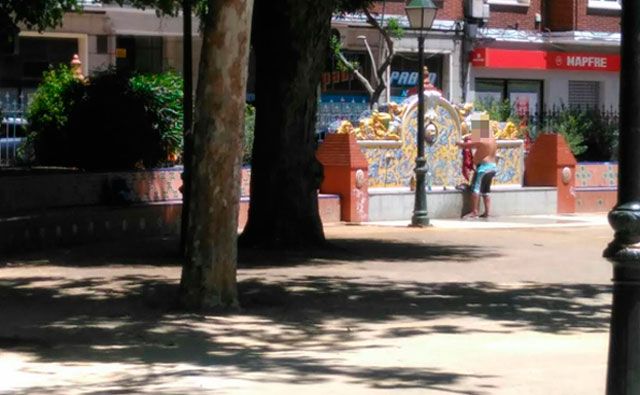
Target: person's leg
[(486, 199), (485, 189), (475, 195), (475, 202)]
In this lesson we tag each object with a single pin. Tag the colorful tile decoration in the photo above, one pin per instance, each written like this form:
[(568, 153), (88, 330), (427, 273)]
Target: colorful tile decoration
[(393, 165), (603, 174)]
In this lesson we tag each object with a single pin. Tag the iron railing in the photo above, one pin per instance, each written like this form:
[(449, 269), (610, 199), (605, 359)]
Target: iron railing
[(12, 128), (557, 119)]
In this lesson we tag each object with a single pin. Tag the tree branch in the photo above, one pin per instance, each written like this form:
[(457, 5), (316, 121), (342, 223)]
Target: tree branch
[(355, 71), (382, 83)]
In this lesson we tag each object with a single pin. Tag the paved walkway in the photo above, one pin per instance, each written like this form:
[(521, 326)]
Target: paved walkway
[(460, 308), (511, 222)]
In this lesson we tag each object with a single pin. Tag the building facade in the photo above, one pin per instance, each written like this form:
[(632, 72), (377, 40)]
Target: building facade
[(543, 53), (536, 53), (102, 36)]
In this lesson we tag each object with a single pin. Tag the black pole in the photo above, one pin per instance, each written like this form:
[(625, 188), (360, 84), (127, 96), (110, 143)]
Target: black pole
[(187, 75), (623, 373), (420, 217)]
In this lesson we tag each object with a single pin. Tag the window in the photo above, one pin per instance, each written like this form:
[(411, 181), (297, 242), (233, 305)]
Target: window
[(584, 94), (102, 44), (605, 4), (139, 53), (524, 96)]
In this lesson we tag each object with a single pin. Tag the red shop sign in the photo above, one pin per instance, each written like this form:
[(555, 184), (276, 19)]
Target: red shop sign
[(543, 60)]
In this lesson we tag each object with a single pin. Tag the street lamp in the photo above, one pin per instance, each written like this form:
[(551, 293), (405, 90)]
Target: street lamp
[(623, 375), (421, 14)]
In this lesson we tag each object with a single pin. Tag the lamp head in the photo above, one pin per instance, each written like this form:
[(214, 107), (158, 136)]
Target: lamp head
[(421, 13)]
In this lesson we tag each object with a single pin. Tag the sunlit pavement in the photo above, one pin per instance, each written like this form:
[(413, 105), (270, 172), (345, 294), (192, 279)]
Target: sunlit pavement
[(459, 308)]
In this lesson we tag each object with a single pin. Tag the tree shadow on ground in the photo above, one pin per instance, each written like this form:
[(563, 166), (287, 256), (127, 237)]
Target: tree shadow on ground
[(159, 251), (550, 308), (164, 252), (356, 250), (293, 330)]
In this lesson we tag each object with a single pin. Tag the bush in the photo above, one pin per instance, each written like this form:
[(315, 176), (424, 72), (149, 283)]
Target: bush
[(592, 134), (602, 138), (112, 122), (572, 124), (500, 111), (48, 115), (165, 94)]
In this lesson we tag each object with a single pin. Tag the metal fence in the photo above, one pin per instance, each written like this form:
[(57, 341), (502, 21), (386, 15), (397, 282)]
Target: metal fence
[(332, 111), (12, 128), (587, 121)]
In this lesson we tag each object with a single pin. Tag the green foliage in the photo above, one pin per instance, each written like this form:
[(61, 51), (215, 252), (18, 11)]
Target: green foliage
[(394, 28), (336, 48), (335, 45), (249, 133), (572, 124), (500, 111), (602, 140), (35, 14), (164, 95), (112, 122), (48, 116), (592, 134)]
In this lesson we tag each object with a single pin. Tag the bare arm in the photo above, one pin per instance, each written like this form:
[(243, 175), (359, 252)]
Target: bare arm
[(468, 144)]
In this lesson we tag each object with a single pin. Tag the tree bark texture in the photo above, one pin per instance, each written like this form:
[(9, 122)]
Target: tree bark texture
[(209, 271), (291, 40)]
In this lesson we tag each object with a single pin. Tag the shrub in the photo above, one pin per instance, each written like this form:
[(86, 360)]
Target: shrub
[(572, 124), (48, 116), (500, 111), (602, 138), (112, 122), (165, 94)]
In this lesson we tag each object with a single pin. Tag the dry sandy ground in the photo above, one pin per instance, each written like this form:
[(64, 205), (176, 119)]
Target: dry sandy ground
[(386, 309)]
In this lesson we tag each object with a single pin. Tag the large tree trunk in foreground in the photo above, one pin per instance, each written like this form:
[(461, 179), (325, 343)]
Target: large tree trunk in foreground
[(290, 41), (209, 272)]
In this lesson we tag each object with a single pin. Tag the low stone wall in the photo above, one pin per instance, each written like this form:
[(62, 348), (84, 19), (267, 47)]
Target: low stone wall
[(396, 204), (26, 191), (52, 208)]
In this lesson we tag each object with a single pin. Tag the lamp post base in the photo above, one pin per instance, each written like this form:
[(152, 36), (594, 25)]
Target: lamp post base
[(420, 220), (623, 376)]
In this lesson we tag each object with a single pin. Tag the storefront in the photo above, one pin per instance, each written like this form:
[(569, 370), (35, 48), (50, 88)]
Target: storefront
[(343, 96), (532, 80)]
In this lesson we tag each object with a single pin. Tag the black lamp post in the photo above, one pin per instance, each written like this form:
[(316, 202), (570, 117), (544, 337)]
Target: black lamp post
[(623, 373), (421, 14)]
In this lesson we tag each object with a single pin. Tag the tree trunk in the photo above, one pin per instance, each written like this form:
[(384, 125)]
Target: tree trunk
[(209, 272), (291, 40)]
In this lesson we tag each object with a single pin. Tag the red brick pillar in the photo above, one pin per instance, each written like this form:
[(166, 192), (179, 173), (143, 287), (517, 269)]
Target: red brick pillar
[(346, 173), (551, 163)]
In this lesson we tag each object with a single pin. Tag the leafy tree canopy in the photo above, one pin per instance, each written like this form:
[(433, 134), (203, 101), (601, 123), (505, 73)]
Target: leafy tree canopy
[(42, 14), (38, 14)]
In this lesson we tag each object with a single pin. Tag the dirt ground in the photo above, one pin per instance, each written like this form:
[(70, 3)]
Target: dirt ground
[(386, 309)]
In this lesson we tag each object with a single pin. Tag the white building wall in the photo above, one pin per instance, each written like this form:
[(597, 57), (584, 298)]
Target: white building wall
[(96, 60), (555, 83)]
